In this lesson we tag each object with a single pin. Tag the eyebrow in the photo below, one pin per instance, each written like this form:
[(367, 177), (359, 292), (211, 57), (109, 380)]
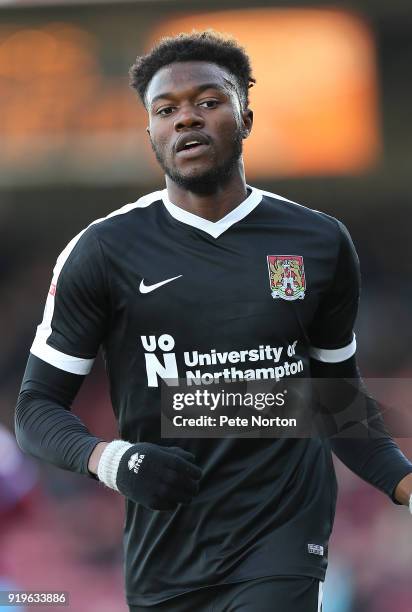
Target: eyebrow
[(199, 89)]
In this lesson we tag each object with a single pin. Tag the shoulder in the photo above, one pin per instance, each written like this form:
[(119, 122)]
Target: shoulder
[(129, 213), (87, 241), (301, 215)]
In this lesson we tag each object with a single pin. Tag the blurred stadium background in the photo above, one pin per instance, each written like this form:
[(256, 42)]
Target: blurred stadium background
[(333, 124)]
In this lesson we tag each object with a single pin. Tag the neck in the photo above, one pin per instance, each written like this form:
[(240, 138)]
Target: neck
[(212, 206)]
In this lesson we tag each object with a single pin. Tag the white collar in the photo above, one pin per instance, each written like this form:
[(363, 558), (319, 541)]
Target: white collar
[(214, 228)]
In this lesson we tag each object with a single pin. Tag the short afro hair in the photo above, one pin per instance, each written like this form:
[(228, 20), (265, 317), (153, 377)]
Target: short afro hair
[(206, 46)]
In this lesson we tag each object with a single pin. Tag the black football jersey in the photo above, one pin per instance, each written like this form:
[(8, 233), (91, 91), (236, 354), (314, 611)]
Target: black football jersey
[(169, 295)]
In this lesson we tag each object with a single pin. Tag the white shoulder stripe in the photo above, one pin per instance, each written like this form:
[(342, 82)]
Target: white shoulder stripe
[(279, 197), (334, 355), (40, 348), (142, 202)]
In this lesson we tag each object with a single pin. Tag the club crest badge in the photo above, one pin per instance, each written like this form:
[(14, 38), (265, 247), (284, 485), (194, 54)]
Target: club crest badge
[(287, 277)]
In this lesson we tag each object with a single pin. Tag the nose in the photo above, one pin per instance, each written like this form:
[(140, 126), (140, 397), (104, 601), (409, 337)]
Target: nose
[(188, 117)]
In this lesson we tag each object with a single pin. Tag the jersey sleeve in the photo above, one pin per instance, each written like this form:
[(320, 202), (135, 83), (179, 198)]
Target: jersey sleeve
[(331, 334), (76, 309), (44, 424)]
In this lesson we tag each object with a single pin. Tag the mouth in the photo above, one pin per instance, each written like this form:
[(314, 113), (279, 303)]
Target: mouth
[(191, 145), (192, 150)]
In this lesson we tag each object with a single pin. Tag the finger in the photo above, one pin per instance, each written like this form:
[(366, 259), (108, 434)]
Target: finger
[(185, 467), (181, 497), (179, 483)]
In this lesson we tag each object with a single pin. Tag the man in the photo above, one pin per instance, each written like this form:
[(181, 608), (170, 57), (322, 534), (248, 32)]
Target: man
[(209, 266)]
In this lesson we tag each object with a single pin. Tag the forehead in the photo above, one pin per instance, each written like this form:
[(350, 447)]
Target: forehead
[(182, 76)]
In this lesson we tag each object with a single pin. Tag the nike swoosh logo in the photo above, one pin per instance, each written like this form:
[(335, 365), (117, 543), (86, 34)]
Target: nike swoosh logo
[(148, 288)]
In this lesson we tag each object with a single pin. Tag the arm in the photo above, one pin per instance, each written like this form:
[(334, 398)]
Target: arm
[(44, 425), (95, 457), (361, 440), (47, 429), (76, 318), (158, 477), (403, 492), (356, 429)]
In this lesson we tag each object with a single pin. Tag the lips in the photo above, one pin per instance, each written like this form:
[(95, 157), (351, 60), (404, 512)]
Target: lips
[(190, 141)]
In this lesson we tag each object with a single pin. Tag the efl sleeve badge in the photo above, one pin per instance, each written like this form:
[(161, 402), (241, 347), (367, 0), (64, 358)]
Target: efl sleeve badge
[(287, 276)]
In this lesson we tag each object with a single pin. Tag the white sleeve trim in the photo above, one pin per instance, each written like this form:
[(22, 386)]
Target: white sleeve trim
[(68, 363), (334, 355), (109, 462)]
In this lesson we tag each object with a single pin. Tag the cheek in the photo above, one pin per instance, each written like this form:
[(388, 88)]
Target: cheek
[(159, 135), (228, 128), (161, 145)]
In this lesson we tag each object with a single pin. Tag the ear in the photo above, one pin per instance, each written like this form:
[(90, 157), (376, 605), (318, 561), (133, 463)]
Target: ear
[(247, 120)]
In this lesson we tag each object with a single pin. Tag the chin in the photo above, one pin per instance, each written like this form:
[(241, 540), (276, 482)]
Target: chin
[(196, 171), (194, 174)]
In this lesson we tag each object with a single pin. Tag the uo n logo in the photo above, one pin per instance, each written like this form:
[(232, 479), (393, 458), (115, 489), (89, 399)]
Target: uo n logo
[(155, 369)]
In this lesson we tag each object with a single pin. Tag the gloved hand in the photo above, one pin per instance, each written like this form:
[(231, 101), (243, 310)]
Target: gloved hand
[(157, 477)]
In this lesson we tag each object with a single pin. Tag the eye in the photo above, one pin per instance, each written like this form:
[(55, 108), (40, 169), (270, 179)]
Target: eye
[(166, 110), (209, 103)]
